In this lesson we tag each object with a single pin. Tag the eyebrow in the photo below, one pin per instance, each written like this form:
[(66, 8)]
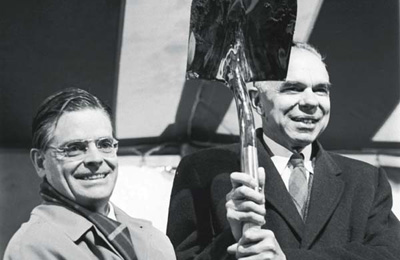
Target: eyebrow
[(288, 83), (327, 85), (83, 140), (70, 141)]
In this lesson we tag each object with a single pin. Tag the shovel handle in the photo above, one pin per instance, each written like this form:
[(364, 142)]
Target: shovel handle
[(233, 74)]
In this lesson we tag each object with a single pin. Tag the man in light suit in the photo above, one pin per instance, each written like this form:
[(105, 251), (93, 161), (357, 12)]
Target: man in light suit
[(75, 153), (315, 204)]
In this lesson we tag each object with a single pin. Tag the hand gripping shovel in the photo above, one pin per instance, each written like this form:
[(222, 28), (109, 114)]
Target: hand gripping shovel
[(239, 41)]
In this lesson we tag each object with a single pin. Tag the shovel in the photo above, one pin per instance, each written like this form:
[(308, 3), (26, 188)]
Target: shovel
[(240, 41)]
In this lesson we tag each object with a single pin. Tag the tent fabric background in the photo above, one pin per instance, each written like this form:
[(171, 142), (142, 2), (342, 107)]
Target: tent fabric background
[(49, 45)]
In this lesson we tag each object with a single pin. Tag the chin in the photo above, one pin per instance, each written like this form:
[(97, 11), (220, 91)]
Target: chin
[(94, 196), (303, 142), (93, 203)]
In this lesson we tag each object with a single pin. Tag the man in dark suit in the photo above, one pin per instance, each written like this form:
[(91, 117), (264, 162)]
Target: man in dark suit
[(315, 204)]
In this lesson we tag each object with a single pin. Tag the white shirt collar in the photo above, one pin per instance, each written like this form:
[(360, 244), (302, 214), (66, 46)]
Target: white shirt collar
[(281, 155), (111, 212)]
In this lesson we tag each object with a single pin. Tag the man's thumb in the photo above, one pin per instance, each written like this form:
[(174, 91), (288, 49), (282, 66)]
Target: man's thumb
[(232, 249)]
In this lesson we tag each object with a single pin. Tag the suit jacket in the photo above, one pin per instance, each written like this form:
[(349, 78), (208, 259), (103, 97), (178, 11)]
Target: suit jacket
[(349, 215), (56, 232)]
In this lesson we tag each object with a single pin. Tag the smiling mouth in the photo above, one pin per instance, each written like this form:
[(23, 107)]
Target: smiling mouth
[(92, 176), (305, 120)]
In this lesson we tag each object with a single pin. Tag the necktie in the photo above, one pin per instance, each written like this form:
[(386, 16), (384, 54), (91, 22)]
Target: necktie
[(298, 185)]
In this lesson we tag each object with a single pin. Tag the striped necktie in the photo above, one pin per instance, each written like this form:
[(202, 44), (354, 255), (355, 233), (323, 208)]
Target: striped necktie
[(298, 185)]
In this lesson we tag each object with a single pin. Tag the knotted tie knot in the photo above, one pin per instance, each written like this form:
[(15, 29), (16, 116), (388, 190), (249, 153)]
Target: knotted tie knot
[(297, 160)]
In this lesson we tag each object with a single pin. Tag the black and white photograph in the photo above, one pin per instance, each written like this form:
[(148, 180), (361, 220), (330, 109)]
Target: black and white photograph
[(200, 129)]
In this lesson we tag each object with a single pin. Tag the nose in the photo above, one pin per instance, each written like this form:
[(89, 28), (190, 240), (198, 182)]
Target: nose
[(93, 158), (308, 101)]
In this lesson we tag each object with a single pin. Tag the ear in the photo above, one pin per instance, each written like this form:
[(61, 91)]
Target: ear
[(255, 101), (37, 159)]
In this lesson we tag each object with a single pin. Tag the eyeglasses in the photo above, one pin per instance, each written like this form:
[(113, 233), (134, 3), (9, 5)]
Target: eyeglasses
[(76, 149)]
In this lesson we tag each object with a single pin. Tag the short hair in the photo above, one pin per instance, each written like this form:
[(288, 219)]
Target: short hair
[(310, 48), (50, 111)]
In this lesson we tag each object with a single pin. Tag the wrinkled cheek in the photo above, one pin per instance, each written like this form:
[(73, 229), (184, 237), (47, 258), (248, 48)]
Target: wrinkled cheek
[(326, 108), (112, 163), (325, 121), (327, 116), (290, 130)]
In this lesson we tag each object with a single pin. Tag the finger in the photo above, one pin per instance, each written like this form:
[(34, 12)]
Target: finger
[(246, 206), (232, 249), (248, 217), (246, 193), (261, 256), (229, 196), (256, 249), (240, 178), (255, 240), (254, 235), (267, 247)]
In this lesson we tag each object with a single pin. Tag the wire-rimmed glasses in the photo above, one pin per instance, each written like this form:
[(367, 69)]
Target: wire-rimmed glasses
[(77, 149)]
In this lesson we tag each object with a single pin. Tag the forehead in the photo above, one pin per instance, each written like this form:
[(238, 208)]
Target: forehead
[(307, 68), (82, 124)]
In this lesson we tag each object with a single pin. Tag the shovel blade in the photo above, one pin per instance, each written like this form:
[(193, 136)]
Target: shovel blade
[(264, 29)]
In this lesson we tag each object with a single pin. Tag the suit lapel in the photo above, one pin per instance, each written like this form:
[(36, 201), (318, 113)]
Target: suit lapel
[(325, 195), (137, 230), (276, 193)]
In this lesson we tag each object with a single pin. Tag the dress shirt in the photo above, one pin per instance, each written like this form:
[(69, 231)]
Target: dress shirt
[(281, 157), (111, 212)]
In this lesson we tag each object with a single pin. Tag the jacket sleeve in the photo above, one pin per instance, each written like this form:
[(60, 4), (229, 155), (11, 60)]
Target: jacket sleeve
[(193, 227), (382, 233)]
